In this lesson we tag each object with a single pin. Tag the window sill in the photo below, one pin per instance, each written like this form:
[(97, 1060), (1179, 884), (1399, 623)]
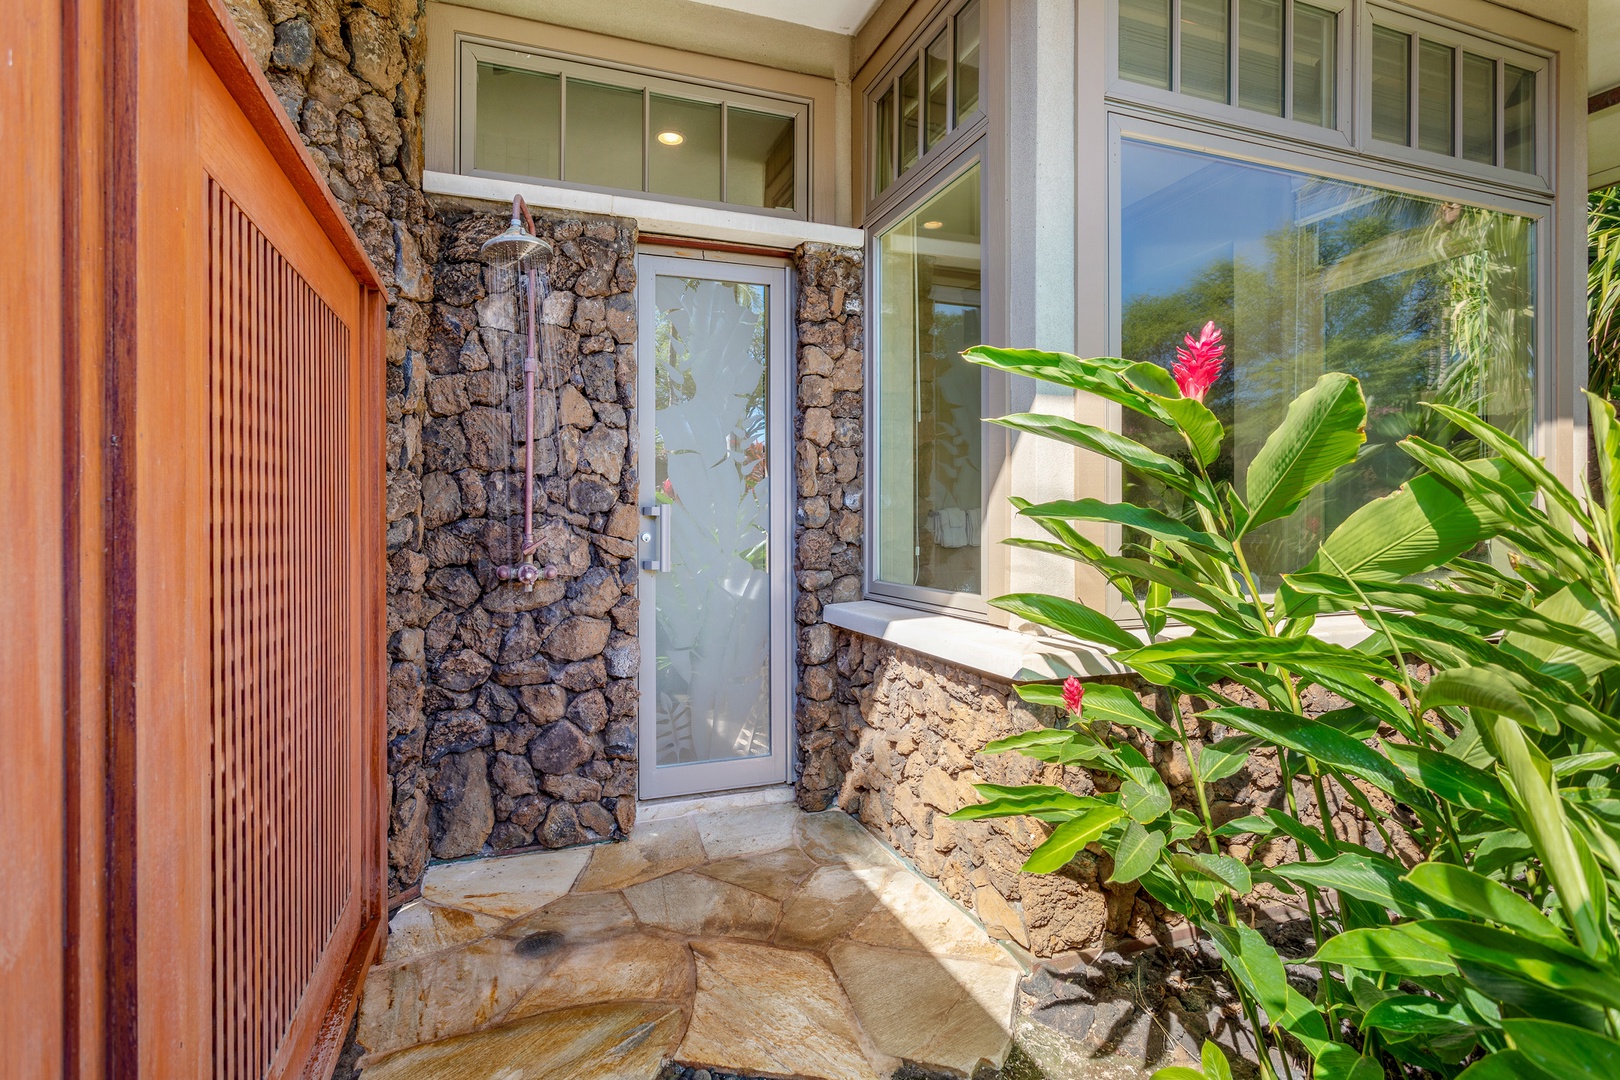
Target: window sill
[(651, 215), (1012, 654)]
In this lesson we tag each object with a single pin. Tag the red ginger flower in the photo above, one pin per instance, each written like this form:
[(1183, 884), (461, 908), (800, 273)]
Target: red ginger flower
[(1073, 691), (1198, 365)]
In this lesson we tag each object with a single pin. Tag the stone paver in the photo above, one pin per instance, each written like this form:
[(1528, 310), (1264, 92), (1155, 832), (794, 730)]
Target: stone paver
[(758, 940)]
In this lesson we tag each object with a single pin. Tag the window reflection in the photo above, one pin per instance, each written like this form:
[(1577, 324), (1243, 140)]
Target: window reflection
[(929, 487), (1421, 300)]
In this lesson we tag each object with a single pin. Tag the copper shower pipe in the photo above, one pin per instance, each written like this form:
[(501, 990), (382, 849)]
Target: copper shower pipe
[(525, 570)]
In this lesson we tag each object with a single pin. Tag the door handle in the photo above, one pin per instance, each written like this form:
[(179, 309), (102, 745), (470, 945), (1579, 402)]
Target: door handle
[(660, 563)]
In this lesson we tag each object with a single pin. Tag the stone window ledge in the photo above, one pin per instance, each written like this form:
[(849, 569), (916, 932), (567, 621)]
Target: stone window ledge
[(1012, 654), (650, 214), (990, 650)]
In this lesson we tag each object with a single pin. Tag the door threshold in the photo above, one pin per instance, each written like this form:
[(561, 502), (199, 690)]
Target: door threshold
[(680, 805)]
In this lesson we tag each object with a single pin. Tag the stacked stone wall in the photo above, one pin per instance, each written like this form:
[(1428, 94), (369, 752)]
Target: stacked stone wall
[(916, 731), (829, 478)]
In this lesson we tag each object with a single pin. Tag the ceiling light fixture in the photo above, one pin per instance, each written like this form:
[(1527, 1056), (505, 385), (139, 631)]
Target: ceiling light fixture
[(671, 138), (933, 224)]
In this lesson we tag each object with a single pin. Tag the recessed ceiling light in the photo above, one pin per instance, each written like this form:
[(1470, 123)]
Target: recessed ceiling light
[(933, 224), (671, 138)]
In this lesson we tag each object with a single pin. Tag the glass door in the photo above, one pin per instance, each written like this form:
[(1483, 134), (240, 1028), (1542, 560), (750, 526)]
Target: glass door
[(714, 430)]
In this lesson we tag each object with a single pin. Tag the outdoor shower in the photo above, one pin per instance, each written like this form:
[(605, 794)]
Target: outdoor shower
[(519, 249)]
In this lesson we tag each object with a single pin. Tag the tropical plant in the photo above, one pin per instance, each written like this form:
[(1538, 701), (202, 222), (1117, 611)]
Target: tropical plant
[(1603, 290), (1479, 731)]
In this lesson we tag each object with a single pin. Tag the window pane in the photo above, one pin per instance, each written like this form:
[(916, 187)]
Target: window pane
[(967, 61), (1260, 56), (939, 89), (683, 148), (1144, 42), (1316, 65), (1519, 119), (604, 135), (909, 119), (1479, 109), (883, 140), (518, 124), (928, 484), (1391, 89), (1436, 97), (759, 159), (1204, 52), (1423, 300)]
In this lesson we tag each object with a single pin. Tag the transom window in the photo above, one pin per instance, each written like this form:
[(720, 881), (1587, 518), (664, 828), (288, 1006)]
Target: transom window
[(532, 116), (929, 92), (1270, 56)]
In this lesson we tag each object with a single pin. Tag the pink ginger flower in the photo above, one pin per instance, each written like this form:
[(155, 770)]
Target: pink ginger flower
[(1198, 365), (1073, 691), (668, 488)]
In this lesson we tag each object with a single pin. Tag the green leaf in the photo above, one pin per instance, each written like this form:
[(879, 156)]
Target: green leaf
[(1394, 950), (1326, 744), (1145, 803), (1455, 781), (1218, 760), (1253, 963), (1221, 869), (1322, 430), (1340, 1062), (1068, 617), (1564, 1050), (1422, 525), (1038, 737), (1249, 823), (1036, 804), (1415, 1014), (1560, 968), (1503, 1065), (1480, 896), (1606, 437), (1129, 453), (1479, 688), (1177, 1072), (1136, 853), (1216, 1067), (1514, 454), (1143, 519), (1068, 838), (1197, 425), (1199, 649), (1373, 878), (1116, 705)]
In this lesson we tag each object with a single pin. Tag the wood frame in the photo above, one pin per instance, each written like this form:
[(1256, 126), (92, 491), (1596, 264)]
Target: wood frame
[(105, 428)]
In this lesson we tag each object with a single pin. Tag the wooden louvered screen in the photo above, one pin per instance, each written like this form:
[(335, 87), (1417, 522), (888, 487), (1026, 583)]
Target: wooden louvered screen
[(285, 880)]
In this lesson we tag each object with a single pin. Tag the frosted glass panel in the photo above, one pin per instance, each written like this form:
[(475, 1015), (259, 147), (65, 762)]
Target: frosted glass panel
[(1260, 56), (910, 116), (517, 131), (605, 126), (683, 148), (1204, 52), (883, 140), (713, 633), (1144, 42), (1391, 85), (929, 489), (938, 77), (967, 61), (1316, 65)]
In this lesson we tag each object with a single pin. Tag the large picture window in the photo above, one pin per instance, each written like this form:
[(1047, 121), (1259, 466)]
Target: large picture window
[(1421, 299), (929, 490)]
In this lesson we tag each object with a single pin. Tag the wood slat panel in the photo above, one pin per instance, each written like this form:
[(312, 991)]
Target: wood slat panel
[(287, 731)]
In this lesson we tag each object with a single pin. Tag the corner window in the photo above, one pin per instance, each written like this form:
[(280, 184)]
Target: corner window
[(531, 116), (930, 91), (928, 492), (1422, 299)]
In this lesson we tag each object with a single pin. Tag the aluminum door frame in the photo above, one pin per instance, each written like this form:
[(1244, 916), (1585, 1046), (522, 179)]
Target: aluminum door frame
[(713, 776)]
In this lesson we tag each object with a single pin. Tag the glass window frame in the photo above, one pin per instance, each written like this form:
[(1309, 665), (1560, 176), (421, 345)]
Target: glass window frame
[(940, 173), (1141, 125), (471, 50), (1338, 134), (960, 130), (1502, 54)]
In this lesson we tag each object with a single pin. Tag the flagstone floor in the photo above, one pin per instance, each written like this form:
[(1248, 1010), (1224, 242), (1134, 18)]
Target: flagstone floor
[(759, 940)]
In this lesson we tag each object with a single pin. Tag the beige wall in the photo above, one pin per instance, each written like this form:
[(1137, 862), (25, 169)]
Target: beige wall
[(670, 36)]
